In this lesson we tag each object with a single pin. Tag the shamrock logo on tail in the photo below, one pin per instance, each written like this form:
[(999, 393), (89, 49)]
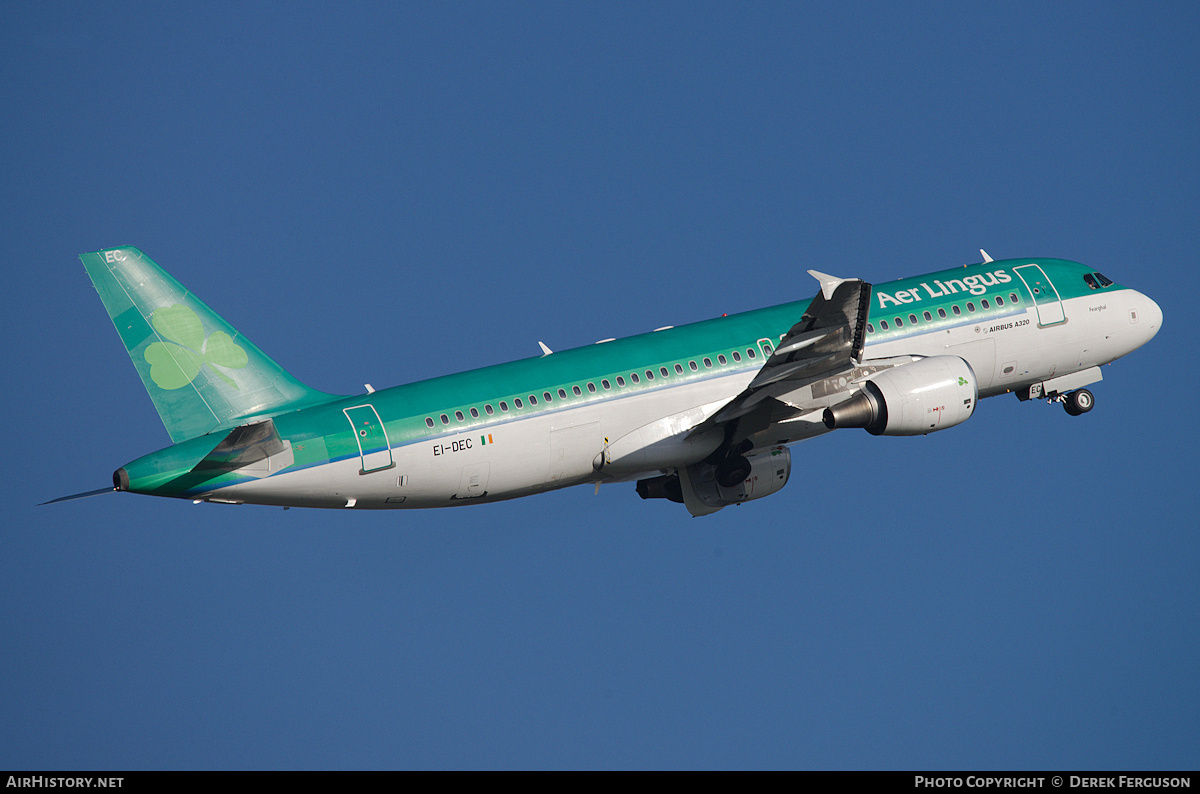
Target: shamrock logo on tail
[(175, 364)]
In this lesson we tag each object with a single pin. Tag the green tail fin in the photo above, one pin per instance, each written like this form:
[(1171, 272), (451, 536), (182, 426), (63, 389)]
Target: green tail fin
[(200, 372)]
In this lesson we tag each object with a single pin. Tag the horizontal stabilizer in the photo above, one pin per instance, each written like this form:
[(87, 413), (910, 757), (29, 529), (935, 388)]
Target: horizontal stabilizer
[(84, 495), (243, 447), (254, 451)]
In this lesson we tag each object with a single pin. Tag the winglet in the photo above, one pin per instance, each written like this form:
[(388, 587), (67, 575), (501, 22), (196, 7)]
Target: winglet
[(545, 350), (986, 258), (828, 283)]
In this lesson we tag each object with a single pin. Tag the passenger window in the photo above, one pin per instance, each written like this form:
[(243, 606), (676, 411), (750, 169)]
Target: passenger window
[(985, 304), (942, 313), (692, 365), (605, 384), (663, 371), (546, 397), (429, 421), (591, 387), (870, 328), (928, 317), (445, 419), (999, 301), (577, 391), (899, 323), (504, 406), (532, 400), (488, 409), (620, 380), (459, 415), (737, 356), (1013, 297), (562, 394), (474, 413), (633, 376), (883, 326), (970, 306), (721, 359), (518, 404), (649, 374), (707, 363), (956, 310), (679, 369), (912, 318), (767, 348), (750, 353)]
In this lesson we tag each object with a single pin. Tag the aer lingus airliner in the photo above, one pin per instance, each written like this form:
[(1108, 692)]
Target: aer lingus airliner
[(701, 414)]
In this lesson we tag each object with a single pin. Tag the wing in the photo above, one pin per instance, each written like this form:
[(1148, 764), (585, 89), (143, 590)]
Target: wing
[(817, 356), (817, 362)]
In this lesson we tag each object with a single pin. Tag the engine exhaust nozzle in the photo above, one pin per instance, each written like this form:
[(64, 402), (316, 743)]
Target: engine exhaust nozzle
[(861, 410)]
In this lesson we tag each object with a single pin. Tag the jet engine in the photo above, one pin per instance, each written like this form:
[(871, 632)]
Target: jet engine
[(928, 395), (696, 486)]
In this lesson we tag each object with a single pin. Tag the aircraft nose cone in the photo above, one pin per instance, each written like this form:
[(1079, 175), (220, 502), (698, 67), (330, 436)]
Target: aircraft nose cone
[(1145, 319), (1153, 315)]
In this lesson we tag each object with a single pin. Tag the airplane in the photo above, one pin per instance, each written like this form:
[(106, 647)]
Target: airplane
[(702, 414)]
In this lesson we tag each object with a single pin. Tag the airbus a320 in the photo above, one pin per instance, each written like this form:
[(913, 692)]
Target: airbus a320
[(702, 414)]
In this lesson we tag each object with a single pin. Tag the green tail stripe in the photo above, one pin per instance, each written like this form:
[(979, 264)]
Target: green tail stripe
[(200, 372)]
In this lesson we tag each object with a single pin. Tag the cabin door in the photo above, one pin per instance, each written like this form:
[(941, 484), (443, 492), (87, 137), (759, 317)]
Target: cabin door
[(371, 437), (1045, 296)]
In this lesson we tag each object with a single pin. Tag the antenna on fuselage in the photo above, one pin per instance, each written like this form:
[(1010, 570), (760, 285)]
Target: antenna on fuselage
[(986, 258), (545, 350)]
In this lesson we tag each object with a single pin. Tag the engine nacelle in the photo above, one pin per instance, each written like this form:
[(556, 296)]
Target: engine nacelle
[(928, 395), (700, 491)]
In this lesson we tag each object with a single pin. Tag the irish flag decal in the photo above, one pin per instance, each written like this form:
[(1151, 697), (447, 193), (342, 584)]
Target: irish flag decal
[(487, 439)]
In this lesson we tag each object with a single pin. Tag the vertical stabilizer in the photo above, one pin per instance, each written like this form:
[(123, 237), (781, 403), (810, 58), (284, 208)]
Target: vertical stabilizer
[(200, 372)]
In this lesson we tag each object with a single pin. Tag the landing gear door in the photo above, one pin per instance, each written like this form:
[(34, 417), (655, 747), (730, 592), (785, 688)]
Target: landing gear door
[(371, 437), (1045, 296)]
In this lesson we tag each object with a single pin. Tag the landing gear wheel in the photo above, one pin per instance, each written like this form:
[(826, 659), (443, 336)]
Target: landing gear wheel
[(1079, 402), (732, 471)]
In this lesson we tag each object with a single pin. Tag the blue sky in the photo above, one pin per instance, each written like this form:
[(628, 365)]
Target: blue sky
[(388, 192)]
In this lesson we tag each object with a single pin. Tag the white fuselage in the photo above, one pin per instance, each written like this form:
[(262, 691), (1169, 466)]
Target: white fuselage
[(517, 457)]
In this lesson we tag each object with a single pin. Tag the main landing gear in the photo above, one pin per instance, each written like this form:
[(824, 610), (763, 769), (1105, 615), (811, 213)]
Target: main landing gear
[(1077, 402)]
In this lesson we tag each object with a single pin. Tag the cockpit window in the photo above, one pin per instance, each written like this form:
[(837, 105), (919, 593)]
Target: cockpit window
[(1104, 282), (1091, 282)]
